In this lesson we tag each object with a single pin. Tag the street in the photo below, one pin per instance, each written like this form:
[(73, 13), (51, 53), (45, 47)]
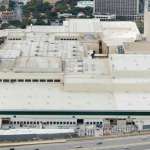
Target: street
[(134, 143), (18, 12)]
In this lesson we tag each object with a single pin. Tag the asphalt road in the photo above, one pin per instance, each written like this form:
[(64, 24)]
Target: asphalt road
[(134, 143), (18, 12)]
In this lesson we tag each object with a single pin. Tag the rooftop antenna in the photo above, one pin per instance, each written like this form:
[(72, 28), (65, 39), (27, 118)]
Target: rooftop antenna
[(31, 26)]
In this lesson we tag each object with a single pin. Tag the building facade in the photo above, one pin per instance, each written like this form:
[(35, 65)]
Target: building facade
[(123, 8), (7, 15), (147, 20)]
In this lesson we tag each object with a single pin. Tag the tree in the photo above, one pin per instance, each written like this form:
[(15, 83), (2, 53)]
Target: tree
[(140, 26), (5, 25), (15, 23), (11, 3), (2, 8), (40, 22), (25, 22)]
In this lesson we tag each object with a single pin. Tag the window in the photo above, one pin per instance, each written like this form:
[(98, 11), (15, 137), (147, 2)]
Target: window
[(20, 80), (12, 80), (50, 122), (34, 122), (27, 122), (70, 122), (35, 80), (54, 122), (87, 122), (93, 122), (5, 80), (17, 122), (37, 122), (42, 80), (89, 37), (49, 80), (57, 80), (30, 122), (24, 122), (27, 80), (57, 122), (74, 122), (64, 122), (14, 122), (11, 122), (67, 122), (60, 122), (0, 80), (47, 122)]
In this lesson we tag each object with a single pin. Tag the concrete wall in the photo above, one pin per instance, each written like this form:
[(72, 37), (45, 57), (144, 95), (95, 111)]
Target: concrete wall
[(83, 87), (23, 137)]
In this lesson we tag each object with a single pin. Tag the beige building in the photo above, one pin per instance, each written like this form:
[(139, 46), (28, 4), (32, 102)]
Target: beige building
[(75, 72), (147, 20)]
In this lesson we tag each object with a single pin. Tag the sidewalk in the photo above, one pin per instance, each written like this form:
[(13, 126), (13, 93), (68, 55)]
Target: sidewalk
[(31, 143)]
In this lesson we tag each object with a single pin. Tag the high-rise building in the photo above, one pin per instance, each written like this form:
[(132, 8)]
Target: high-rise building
[(124, 8), (147, 20)]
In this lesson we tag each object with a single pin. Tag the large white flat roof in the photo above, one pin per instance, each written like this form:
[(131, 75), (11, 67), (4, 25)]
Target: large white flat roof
[(43, 96), (51, 97), (130, 62)]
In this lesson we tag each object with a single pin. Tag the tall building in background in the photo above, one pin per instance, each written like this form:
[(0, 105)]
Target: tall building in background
[(147, 20), (124, 8)]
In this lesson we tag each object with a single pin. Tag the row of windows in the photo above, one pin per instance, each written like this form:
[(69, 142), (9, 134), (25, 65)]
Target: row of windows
[(93, 122), (14, 39), (55, 122), (30, 80), (69, 39), (34, 122)]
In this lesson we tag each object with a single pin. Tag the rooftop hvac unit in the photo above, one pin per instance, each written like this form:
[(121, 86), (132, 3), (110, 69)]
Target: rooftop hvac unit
[(36, 54), (46, 41), (47, 33), (31, 40)]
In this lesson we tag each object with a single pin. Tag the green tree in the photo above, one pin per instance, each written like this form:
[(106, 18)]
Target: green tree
[(5, 26), (15, 23), (25, 22), (2, 8), (40, 22), (140, 26), (11, 3)]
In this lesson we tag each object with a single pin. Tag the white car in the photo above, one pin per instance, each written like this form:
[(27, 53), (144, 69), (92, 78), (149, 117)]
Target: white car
[(79, 146), (126, 147), (144, 138)]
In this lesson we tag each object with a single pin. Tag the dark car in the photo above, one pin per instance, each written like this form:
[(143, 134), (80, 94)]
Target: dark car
[(11, 149), (99, 143)]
